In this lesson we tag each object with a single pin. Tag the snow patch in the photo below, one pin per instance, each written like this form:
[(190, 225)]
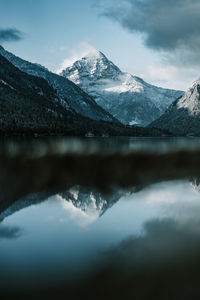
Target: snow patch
[(5, 83), (128, 98), (83, 218), (83, 50)]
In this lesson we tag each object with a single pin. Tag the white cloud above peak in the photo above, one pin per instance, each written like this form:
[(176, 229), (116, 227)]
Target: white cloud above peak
[(84, 49)]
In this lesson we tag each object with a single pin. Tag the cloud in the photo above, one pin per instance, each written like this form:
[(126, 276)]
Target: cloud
[(82, 50), (9, 232), (166, 237), (163, 263), (170, 27), (169, 75), (10, 34)]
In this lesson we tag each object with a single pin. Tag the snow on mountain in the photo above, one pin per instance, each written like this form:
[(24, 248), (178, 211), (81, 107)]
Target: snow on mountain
[(85, 203), (71, 97), (91, 201), (183, 116), (128, 98)]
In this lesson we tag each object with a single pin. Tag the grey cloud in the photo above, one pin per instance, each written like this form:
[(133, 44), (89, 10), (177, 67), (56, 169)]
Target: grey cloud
[(10, 34), (165, 242), (163, 263), (9, 232), (171, 26)]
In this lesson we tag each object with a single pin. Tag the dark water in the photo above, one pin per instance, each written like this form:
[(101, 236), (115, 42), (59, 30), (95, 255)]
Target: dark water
[(94, 241)]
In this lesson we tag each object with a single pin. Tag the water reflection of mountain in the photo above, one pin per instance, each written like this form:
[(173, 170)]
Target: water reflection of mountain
[(195, 182), (160, 263), (85, 199), (8, 208), (90, 199)]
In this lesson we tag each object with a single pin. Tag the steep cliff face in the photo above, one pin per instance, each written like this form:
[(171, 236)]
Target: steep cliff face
[(128, 98)]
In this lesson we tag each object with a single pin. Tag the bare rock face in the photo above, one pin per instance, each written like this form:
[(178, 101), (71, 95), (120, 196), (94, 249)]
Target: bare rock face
[(183, 116), (128, 98)]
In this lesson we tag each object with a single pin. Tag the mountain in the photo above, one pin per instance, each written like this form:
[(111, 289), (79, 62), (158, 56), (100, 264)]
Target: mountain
[(70, 95), (183, 116), (29, 105), (128, 98)]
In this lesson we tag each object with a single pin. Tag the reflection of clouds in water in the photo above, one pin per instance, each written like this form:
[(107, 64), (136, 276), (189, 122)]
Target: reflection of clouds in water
[(163, 263), (168, 193), (164, 241), (8, 232), (177, 200), (173, 199), (183, 211), (160, 263), (82, 218)]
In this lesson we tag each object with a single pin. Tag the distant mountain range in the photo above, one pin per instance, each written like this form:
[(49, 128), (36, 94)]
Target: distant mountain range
[(71, 96), (128, 98), (183, 116), (28, 105), (34, 100)]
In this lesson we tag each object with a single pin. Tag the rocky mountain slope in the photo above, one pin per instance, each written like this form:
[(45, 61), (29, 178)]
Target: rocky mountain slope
[(183, 116), (29, 105), (128, 98), (70, 95), (28, 102)]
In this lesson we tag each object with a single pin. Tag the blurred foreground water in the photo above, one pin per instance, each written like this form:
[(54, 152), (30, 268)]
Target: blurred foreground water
[(112, 218)]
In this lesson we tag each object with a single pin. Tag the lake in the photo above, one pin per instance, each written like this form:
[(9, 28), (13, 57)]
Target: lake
[(112, 218)]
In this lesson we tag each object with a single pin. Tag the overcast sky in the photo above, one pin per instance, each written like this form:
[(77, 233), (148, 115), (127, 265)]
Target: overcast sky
[(157, 40)]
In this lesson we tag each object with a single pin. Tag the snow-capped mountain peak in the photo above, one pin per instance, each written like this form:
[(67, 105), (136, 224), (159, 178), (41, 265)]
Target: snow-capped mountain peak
[(128, 98), (71, 97), (93, 66)]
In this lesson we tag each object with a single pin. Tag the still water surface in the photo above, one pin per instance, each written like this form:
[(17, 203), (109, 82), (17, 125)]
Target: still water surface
[(55, 241), (136, 243)]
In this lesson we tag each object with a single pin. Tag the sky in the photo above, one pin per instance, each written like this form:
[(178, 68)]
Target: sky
[(157, 40)]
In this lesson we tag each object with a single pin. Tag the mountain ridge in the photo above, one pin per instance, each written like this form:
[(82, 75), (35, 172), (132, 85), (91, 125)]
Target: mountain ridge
[(29, 106), (128, 98), (71, 96), (183, 116)]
